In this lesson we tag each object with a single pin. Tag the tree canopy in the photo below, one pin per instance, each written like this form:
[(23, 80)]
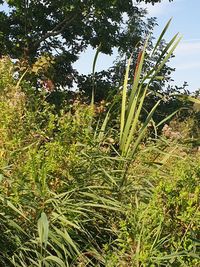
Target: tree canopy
[(152, 2), (65, 28)]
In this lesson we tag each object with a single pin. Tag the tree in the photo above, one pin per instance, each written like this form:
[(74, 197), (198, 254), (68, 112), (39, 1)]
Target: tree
[(150, 1), (65, 28)]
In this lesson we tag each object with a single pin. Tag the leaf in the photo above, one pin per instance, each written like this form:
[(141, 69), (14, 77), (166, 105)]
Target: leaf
[(124, 93), (55, 260), (10, 205), (161, 36), (93, 72), (130, 118), (103, 127), (143, 128), (66, 237), (168, 117), (189, 98), (21, 78), (43, 229), (1, 177)]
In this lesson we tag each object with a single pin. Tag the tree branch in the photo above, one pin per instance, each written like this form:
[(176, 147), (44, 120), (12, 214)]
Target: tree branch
[(55, 31)]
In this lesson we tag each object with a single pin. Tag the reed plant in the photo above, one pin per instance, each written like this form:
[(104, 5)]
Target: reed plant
[(62, 193), (131, 133)]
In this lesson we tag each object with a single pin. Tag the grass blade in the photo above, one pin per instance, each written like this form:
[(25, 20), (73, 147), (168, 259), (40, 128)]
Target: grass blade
[(124, 94), (161, 36)]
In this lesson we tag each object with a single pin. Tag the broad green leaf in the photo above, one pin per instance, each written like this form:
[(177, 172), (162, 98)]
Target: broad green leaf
[(43, 229)]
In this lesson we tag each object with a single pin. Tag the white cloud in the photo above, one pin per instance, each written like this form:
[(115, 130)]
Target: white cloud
[(188, 47), (159, 9), (156, 9), (187, 63), (188, 66), (191, 40)]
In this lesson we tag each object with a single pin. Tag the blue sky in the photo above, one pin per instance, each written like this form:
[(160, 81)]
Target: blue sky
[(186, 20)]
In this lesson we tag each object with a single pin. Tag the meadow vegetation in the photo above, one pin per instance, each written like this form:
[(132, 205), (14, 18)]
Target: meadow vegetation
[(98, 184)]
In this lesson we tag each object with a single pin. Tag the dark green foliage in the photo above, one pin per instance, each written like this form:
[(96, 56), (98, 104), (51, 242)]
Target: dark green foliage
[(150, 1), (64, 29)]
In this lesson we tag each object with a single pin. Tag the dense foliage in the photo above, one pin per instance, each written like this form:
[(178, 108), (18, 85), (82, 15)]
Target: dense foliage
[(62, 30), (70, 198), (112, 182)]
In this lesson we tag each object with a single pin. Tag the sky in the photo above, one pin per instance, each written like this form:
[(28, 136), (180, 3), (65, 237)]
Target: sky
[(185, 16), (185, 20)]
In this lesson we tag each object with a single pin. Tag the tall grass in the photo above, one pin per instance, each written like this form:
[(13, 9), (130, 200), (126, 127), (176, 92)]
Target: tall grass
[(132, 102), (62, 196)]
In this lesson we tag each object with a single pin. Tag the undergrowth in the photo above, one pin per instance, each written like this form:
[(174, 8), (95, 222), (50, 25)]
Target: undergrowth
[(70, 197)]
